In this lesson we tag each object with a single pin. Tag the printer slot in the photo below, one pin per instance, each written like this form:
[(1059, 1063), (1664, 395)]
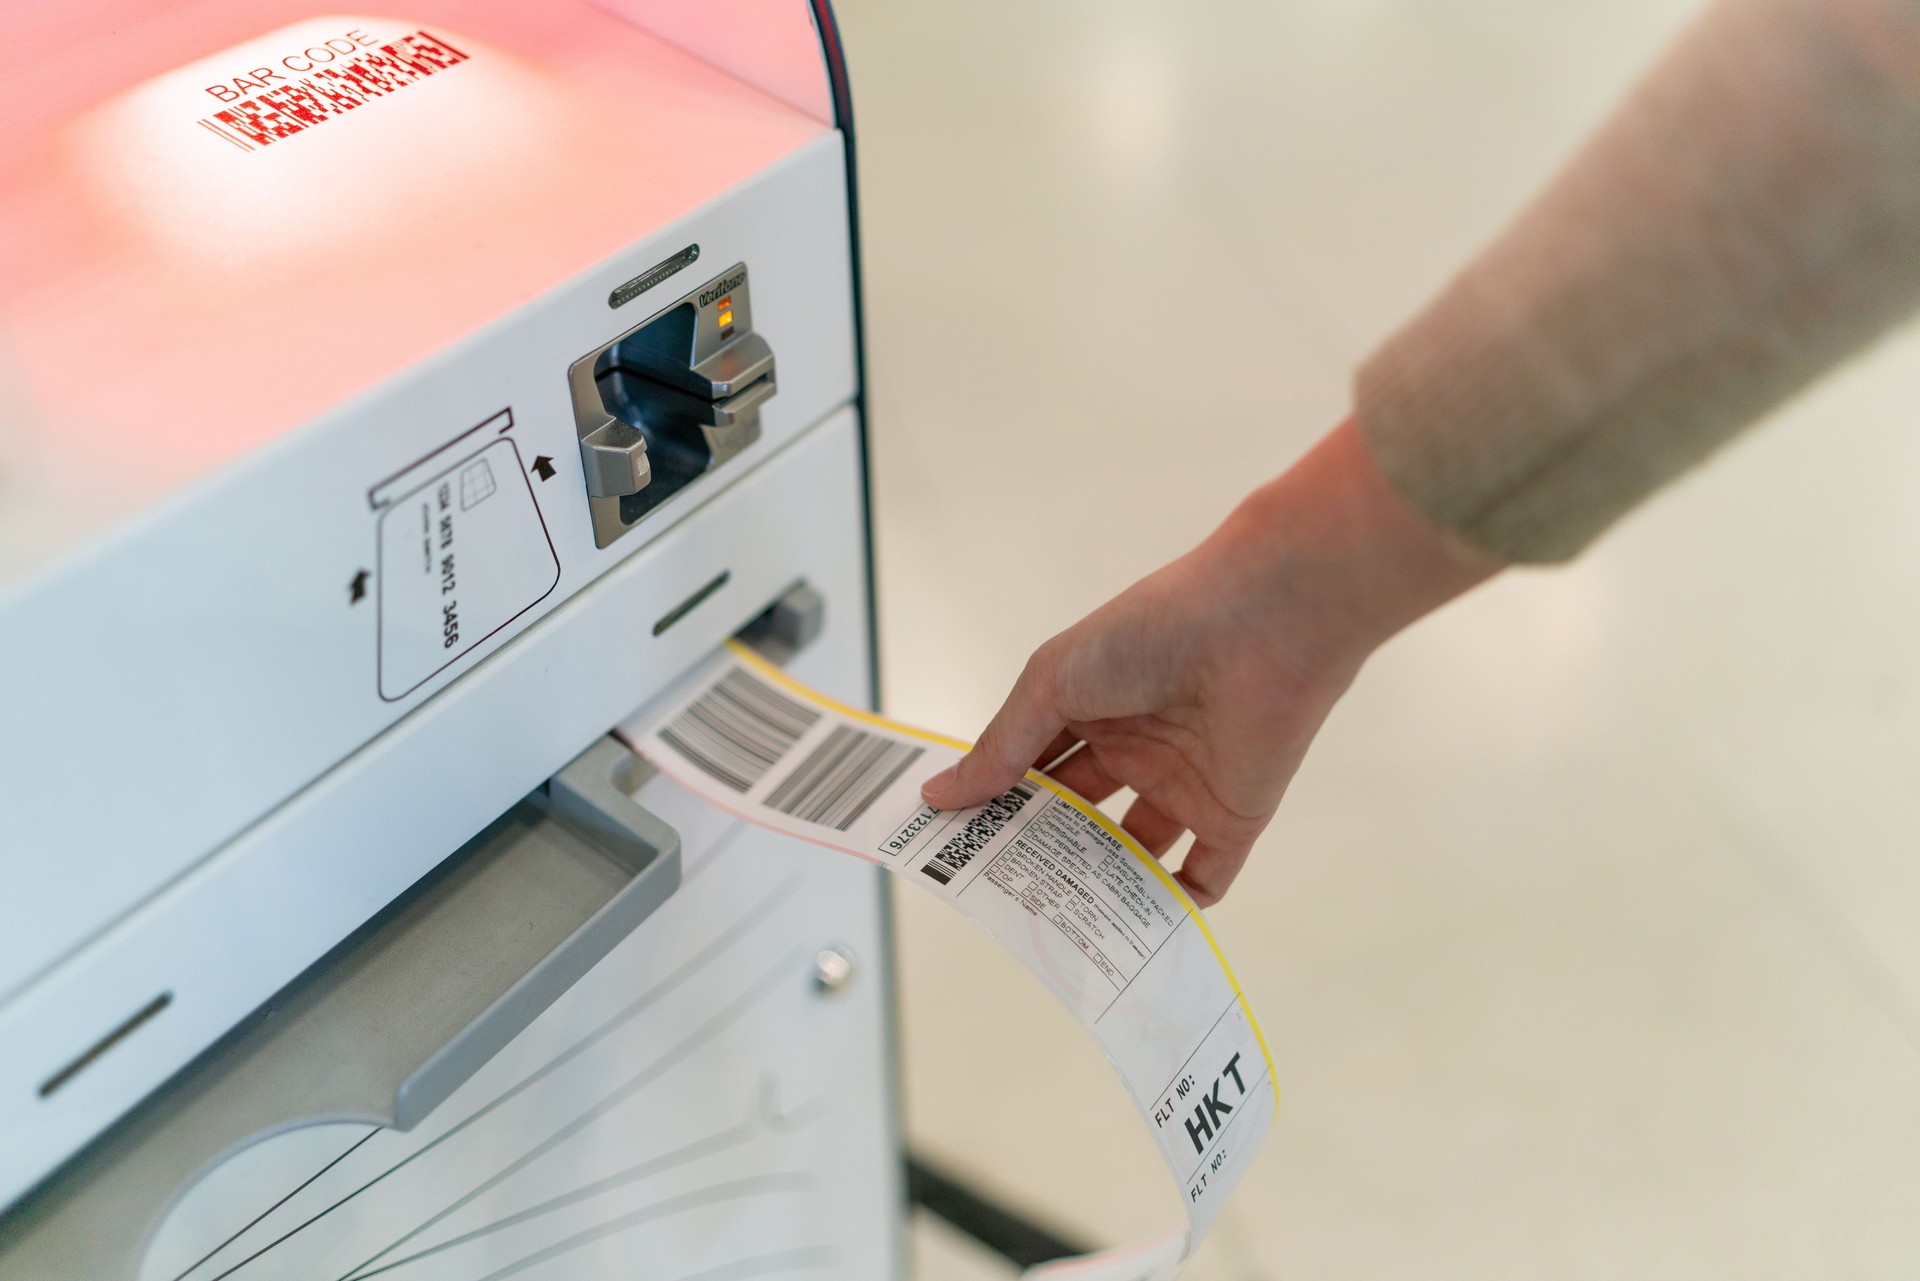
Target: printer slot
[(669, 400), (390, 1023)]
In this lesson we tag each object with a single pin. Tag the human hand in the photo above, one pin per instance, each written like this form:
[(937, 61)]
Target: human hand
[(1201, 686)]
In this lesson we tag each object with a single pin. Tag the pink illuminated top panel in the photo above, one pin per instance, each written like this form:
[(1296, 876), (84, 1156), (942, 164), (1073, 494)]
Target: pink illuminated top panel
[(218, 219)]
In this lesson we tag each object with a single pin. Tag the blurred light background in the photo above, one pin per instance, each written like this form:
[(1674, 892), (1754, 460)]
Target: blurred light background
[(1589, 937)]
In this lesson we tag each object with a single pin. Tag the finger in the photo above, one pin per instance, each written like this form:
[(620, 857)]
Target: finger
[(1209, 870), (1025, 724), (1082, 772), (1063, 742), (1154, 830)]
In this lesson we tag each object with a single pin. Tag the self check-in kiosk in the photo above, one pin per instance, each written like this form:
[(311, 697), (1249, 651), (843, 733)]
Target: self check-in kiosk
[(391, 402)]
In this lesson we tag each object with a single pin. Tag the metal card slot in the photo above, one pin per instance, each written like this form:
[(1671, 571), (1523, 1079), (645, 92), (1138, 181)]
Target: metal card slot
[(669, 400), (388, 1025)]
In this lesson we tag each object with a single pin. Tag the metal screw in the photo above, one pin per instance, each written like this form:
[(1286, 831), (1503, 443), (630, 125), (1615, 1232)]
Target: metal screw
[(832, 967)]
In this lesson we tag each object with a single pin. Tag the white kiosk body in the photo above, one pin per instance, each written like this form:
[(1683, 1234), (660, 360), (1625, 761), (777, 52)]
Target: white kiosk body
[(391, 402)]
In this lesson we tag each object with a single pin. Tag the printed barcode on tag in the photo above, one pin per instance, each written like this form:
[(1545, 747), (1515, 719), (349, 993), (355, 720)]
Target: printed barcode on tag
[(739, 729), (952, 858), (842, 777)]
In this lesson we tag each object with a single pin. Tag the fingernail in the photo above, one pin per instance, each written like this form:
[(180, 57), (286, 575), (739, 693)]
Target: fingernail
[(939, 784)]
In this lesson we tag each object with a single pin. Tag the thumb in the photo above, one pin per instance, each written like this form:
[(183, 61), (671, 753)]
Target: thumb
[(1013, 739)]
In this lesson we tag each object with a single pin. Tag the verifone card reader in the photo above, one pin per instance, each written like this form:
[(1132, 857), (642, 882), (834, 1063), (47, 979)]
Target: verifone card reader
[(472, 372)]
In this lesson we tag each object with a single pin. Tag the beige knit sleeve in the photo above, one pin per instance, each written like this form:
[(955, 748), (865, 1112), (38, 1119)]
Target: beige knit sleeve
[(1747, 219)]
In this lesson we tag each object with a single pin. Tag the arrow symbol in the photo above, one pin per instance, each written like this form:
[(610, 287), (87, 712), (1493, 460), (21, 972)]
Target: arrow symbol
[(543, 467), (357, 589)]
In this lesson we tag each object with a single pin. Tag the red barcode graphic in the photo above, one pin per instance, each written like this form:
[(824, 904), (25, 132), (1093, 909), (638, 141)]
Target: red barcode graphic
[(274, 114)]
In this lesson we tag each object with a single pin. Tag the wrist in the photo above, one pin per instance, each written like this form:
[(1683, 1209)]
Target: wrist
[(1333, 561)]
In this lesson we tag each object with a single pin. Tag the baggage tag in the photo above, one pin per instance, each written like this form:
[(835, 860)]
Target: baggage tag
[(1061, 886)]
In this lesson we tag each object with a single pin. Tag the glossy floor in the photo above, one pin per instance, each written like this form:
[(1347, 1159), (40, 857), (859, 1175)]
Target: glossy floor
[(1589, 936)]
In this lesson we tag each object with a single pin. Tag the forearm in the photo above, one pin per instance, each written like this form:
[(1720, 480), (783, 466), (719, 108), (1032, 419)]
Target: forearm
[(1748, 218)]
